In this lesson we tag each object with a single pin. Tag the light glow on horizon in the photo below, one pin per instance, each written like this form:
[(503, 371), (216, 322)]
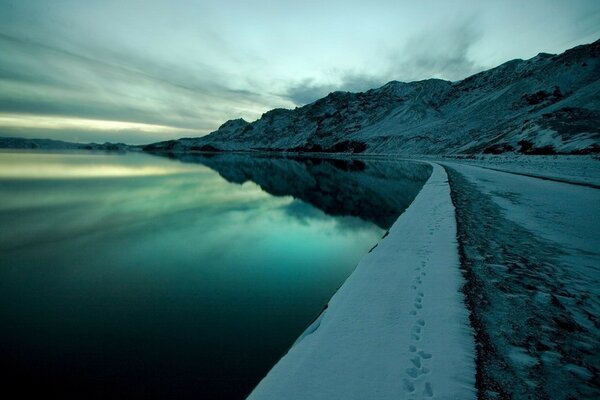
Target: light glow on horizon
[(59, 122), (20, 165)]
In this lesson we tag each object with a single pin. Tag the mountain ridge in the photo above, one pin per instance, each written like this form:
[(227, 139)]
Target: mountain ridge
[(544, 105), (52, 144)]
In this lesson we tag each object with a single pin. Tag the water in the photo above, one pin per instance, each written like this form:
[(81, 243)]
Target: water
[(130, 275)]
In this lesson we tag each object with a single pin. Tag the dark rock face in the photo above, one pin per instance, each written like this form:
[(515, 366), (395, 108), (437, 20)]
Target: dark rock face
[(498, 149), (345, 146), (543, 97), (569, 121), (527, 147)]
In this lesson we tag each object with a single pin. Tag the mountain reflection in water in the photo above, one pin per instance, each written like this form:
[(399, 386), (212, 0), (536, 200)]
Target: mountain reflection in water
[(377, 191), (130, 275)]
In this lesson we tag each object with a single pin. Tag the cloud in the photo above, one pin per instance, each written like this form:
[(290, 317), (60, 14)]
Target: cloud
[(440, 54), (309, 90), (47, 79), (302, 212)]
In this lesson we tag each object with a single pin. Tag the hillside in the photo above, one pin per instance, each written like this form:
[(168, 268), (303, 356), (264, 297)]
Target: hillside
[(545, 105)]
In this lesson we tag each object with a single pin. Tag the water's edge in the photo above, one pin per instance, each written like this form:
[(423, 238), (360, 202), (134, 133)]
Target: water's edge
[(356, 321)]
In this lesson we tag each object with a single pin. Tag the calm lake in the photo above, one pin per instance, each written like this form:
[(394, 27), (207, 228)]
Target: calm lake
[(132, 275)]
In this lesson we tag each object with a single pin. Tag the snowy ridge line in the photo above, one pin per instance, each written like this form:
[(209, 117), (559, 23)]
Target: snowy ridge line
[(398, 327), (545, 105)]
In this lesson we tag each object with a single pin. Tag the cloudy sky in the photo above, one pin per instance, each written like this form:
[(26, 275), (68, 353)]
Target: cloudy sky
[(139, 71)]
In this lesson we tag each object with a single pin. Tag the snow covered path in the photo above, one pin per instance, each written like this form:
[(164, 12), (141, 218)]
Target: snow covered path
[(531, 253), (578, 170), (398, 327)]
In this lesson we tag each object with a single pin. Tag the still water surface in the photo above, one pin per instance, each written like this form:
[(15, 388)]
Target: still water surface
[(131, 275)]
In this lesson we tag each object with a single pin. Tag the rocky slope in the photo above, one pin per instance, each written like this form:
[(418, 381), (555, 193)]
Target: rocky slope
[(545, 105)]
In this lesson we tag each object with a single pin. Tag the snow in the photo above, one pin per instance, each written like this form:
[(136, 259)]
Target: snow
[(559, 212), (531, 252), (582, 170), (398, 327)]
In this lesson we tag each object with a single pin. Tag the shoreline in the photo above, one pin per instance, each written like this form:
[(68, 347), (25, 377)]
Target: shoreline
[(398, 324), (327, 362)]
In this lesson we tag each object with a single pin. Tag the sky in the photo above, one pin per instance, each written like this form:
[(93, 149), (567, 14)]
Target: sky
[(140, 71)]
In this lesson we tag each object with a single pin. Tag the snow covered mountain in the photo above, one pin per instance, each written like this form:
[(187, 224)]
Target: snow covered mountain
[(545, 105)]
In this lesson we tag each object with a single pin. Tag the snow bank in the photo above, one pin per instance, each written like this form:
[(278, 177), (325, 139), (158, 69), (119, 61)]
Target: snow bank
[(532, 254), (398, 327), (579, 170)]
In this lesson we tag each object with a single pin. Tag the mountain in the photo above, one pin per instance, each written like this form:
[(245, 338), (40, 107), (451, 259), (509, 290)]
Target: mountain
[(49, 144), (545, 105)]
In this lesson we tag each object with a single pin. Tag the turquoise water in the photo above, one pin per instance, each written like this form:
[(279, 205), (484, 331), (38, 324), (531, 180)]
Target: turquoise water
[(127, 275)]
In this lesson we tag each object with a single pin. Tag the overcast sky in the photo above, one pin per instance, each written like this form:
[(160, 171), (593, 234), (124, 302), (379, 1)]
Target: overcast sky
[(139, 71)]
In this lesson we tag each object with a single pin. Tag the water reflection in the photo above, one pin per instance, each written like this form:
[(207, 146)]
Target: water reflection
[(176, 284), (374, 190), (54, 165)]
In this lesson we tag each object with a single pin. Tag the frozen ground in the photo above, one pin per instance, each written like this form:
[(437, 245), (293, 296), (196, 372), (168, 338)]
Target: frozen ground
[(530, 249), (584, 170), (529, 252), (398, 327)]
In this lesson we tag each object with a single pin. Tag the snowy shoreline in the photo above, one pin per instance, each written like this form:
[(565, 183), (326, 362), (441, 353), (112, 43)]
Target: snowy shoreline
[(513, 316), (397, 326)]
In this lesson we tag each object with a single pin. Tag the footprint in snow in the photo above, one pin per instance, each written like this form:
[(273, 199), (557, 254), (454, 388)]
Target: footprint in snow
[(416, 362), (408, 386), (428, 392)]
